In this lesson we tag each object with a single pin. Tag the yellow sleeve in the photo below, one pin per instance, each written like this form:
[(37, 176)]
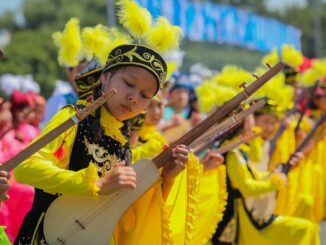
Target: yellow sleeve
[(150, 149), (285, 146), (259, 175), (255, 149), (44, 171), (242, 179)]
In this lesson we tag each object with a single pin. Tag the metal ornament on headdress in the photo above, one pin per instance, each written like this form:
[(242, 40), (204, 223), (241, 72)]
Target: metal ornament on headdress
[(89, 78)]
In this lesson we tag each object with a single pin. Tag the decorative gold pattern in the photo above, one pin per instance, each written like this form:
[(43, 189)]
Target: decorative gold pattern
[(104, 161), (88, 81), (137, 56)]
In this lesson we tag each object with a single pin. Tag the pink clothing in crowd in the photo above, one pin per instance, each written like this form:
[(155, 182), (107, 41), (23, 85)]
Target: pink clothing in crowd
[(13, 211)]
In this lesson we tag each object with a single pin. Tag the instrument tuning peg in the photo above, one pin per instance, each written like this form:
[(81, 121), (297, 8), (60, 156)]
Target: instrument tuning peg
[(255, 75), (243, 85), (269, 66)]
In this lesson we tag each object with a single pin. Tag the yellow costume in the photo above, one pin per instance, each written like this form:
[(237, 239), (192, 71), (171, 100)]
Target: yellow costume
[(195, 199), (283, 230), (212, 198), (152, 146), (143, 221)]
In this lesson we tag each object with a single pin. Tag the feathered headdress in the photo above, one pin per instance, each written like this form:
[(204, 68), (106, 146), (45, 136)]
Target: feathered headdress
[(70, 44)]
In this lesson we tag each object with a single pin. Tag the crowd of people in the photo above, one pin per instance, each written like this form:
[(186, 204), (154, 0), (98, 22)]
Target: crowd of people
[(269, 187)]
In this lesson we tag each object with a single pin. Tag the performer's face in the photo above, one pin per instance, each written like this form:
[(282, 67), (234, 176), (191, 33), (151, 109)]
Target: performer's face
[(267, 122), (179, 97), (135, 88), (155, 111)]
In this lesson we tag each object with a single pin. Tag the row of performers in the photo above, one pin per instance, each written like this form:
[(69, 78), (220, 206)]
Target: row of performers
[(229, 192)]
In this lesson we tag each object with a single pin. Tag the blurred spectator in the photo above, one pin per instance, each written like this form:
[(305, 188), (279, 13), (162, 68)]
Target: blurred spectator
[(38, 106), (14, 141)]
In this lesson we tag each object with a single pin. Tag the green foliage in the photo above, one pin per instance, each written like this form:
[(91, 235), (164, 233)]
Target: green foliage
[(215, 56), (31, 50)]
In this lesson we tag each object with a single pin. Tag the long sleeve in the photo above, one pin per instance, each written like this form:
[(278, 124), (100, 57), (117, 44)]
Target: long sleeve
[(44, 171), (153, 146), (241, 177)]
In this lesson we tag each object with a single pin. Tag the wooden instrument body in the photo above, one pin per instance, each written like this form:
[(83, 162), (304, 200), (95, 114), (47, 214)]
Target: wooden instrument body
[(71, 219)]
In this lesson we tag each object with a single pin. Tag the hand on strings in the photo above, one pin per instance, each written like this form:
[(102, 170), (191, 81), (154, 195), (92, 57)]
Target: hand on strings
[(120, 177), (180, 155), (296, 158), (283, 177), (287, 122), (212, 160), (4, 186), (195, 119)]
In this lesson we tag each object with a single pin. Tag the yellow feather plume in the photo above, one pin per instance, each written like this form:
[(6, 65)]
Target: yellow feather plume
[(319, 66), (135, 19), (163, 36), (115, 39), (272, 58), (69, 43), (291, 56), (171, 68), (233, 76), (309, 77), (95, 40), (211, 95)]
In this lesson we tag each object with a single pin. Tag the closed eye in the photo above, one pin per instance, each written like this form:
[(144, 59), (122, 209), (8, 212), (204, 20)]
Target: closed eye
[(145, 96), (128, 84)]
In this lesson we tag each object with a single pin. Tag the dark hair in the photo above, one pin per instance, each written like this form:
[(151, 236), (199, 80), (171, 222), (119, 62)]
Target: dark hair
[(97, 129)]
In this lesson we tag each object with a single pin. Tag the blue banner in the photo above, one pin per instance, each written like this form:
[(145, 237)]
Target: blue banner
[(225, 24)]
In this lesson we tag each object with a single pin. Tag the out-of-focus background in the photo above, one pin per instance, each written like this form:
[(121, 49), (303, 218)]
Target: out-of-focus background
[(220, 32)]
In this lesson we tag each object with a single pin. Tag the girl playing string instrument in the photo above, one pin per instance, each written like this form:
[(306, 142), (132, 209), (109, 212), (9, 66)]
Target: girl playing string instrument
[(96, 153)]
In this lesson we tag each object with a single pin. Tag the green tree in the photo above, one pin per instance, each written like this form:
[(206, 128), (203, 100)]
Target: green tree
[(31, 50)]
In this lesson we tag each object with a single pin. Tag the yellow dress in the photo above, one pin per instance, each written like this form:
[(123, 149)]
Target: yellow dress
[(212, 200), (304, 195), (284, 229), (141, 225), (194, 200)]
